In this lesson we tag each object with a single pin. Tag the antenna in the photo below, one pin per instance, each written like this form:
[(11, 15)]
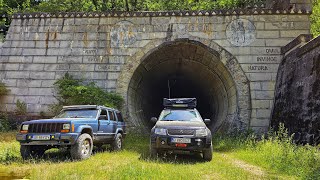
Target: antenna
[(169, 87)]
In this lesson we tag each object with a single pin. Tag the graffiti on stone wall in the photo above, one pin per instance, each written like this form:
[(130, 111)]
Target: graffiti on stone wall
[(241, 32), (123, 34)]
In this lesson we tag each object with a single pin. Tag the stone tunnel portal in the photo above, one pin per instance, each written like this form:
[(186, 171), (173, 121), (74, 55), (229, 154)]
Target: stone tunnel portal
[(182, 69)]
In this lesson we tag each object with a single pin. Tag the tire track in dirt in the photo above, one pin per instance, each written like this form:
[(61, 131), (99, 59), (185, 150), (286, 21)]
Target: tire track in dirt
[(255, 170)]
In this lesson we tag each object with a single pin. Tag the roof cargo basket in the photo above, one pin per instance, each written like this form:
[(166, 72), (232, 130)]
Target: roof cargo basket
[(180, 102)]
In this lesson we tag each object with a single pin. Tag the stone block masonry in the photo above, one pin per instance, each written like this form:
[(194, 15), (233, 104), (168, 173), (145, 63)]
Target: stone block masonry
[(41, 47), (297, 91)]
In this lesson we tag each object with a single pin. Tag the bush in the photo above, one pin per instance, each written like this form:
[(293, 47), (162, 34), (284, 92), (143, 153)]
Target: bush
[(3, 89), (21, 108), (75, 92), (4, 122)]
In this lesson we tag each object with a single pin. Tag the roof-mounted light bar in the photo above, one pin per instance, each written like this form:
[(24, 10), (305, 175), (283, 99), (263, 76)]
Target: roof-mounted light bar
[(180, 102)]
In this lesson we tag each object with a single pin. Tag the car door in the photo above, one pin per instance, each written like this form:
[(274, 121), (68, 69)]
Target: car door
[(112, 126), (102, 134), (121, 124)]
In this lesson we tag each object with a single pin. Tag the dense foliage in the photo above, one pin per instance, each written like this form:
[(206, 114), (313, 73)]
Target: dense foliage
[(315, 18), (122, 5), (72, 91), (12, 6)]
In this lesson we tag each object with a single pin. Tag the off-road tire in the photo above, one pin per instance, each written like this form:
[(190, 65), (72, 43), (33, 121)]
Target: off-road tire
[(82, 148), (116, 145), (207, 153), (29, 152)]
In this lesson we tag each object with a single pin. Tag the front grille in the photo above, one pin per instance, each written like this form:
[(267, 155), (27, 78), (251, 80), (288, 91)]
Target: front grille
[(45, 127), (180, 131)]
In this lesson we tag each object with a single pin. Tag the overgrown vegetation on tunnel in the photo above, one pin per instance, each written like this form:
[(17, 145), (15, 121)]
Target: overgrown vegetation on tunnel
[(9, 7), (71, 91), (238, 156)]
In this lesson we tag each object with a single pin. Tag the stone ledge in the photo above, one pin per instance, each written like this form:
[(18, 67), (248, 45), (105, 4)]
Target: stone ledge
[(302, 38), (309, 46), (254, 11)]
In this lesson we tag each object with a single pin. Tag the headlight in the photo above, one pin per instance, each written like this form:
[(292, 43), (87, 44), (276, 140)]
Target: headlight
[(25, 127), (201, 132), (66, 126), (160, 131)]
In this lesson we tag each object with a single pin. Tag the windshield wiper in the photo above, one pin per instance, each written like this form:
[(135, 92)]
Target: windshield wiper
[(76, 117)]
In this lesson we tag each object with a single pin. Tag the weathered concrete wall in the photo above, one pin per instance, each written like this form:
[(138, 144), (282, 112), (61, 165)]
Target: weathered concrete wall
[(297, 97), (40, 48)]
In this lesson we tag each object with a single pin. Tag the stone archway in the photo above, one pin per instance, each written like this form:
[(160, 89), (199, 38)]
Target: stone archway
[(200, 68)]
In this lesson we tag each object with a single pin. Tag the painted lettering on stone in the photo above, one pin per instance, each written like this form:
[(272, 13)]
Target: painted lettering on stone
[(116, 60), (264, 59), (257, 68), (90, 51), (97, 59), (109, 67), (241, 32), (62, 67), (273, 51), (123, 34)]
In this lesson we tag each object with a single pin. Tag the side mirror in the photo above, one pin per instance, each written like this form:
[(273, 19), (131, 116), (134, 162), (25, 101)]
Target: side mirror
[(154, 119), (207, 121), (103, 117)]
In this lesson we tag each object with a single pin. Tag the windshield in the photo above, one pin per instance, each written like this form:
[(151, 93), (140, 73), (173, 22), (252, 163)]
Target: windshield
[(179, 115), (78, 113)]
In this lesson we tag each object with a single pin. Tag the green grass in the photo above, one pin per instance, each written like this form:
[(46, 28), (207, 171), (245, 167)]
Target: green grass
[(234, 158)]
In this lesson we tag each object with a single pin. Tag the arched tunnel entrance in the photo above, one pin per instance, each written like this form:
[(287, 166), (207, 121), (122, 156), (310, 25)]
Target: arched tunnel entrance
[(182, 69)]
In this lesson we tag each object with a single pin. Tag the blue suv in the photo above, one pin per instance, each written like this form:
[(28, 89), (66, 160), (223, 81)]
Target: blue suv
[(77, 127)]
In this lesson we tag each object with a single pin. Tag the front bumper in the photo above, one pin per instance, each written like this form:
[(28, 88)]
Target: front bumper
[(56, 139), (163, 143)]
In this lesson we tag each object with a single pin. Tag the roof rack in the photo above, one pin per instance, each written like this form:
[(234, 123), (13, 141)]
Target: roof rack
[(81, 107), (180, 102)]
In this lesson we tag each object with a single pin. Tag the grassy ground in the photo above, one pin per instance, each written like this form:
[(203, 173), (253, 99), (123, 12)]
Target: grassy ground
[(234, 158)]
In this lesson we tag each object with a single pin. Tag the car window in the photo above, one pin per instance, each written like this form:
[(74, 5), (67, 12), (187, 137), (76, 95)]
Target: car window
[(111, 116), (104, 113), (78, 113), (119, 117), (179, 115)]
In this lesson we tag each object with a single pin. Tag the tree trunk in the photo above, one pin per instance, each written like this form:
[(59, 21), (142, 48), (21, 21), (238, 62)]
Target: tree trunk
[(134, 5), (127, 5)]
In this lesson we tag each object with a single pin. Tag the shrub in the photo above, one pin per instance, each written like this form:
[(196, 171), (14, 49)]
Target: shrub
[(4, 122), (75, 92), (21, 108), (3, 89)]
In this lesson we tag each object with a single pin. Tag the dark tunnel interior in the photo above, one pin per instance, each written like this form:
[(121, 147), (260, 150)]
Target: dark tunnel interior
[(181, 70)]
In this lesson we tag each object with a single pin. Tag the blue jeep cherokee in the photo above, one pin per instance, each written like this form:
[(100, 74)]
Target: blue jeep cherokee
[(76, 127)]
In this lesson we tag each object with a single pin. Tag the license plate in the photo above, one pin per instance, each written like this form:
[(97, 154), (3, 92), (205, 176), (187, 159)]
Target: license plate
[(181, 140), (40, 137)]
